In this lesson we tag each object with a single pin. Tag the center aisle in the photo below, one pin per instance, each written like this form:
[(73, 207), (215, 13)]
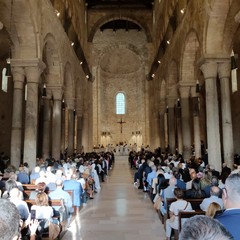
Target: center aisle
[(119, 212)]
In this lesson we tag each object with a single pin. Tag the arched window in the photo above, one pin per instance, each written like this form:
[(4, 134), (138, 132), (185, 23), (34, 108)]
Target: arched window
[(120, 103)]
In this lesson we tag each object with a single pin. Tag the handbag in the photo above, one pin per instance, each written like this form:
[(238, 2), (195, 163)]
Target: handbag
[(158, 203)]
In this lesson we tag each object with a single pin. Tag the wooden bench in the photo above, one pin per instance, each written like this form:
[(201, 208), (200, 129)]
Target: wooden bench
[(186, 214), (29, 186), (52, 203), (194, 202)]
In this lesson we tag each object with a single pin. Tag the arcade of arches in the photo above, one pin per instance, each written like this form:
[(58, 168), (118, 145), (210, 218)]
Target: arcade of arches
[(82, 54)]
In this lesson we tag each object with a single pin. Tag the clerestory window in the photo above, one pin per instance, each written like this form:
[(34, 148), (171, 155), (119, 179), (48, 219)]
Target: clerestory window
[(120, 103)]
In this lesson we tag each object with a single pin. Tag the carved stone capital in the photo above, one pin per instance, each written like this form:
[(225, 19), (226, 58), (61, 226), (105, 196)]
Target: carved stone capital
[(209, 69), (184, 91), (224, 69)]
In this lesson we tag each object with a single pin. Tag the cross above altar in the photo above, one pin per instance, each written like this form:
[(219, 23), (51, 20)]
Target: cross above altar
[(121, 122)]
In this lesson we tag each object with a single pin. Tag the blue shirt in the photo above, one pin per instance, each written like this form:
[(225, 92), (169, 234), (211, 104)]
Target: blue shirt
[(77, 190), (61, 194), (23, 178), (230, 220), (180, 184), (150, 177)]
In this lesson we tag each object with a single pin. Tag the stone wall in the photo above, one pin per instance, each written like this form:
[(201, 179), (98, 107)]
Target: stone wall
[(119, 58)]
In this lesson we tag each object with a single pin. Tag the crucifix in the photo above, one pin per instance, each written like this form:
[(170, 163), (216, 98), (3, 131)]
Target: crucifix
[(121, 122)]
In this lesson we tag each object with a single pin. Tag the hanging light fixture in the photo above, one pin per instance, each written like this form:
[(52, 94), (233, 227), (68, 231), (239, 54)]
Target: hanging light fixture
[(198, 88), (234, 72), (8, 68), (233, 61), (178, 103), (44, 93), (63, 104)]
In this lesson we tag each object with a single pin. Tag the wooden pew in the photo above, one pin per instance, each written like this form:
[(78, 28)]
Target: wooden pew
[(51, 203), (29, 186), (194, 202), (186, 214)]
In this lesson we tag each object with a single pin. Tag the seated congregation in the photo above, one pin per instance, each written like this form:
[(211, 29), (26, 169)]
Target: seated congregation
[(180, 190), (50, 196)]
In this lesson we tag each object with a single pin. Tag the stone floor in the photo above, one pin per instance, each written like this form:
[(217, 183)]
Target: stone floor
[(119, 212)]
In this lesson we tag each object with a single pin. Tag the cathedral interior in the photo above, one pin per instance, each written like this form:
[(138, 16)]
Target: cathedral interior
[(78, 74)]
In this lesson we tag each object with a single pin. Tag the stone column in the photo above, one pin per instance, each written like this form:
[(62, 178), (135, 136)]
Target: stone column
[(46, 126), (162, 125), (186, 133), (171, 124), (157, 130), (31, 116), (179, 130), (79, 133), (85, 133), (63, 147), (16, 134), (224, 70), (196, 123), (56, 122), (209, 70), (70, 105)]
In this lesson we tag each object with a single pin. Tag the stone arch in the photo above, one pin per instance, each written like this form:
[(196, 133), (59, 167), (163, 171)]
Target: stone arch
[(52, 60), (231, 31), (189, 58), (68, 82), (110, 48), (112, 17), (128, 61), (217, 13), (29, 44)]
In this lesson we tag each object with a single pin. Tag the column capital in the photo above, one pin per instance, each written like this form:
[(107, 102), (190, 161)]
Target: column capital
[(70, 103), (18, 77), (33, 71), (162, 107), (33, 62), (57, 92), (79, 111), (79, 114), (193, 92), (171, 101), (18, 72), (184, 91), (49, 93), (33, 67), (224, 69), (209, 69)]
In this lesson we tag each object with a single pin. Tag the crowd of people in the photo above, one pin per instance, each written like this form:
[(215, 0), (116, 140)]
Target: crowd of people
[(162, 175), (81, 174), (169, 176)]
